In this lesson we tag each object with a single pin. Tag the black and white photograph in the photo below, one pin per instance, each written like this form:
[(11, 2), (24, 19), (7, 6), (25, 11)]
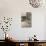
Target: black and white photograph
[(26, 21)]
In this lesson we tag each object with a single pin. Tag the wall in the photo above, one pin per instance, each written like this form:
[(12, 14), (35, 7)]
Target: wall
[(14, 8), (45, 28)]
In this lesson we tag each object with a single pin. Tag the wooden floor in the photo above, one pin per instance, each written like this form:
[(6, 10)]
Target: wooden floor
[(3, 43), (19, 43)]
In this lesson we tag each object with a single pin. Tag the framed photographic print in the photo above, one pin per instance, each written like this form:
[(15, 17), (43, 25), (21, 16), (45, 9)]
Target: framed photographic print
[(26, 20)]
